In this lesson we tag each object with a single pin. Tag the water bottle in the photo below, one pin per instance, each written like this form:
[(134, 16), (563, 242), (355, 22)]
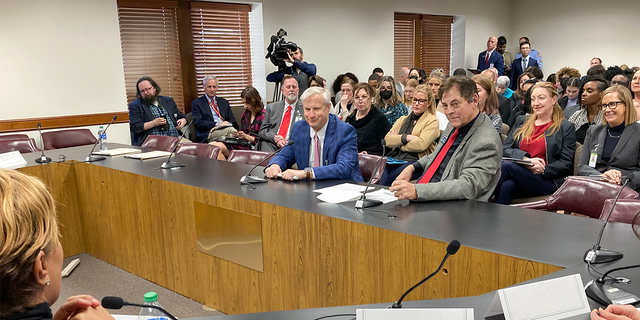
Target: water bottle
[(151, 299), (102, 139)]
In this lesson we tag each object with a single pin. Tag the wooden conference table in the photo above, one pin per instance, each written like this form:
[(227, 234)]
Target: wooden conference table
[(311, 254)]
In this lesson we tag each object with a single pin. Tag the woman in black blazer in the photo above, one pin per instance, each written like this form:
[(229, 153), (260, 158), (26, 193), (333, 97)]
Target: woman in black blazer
[(546, 140), (370, 123), (612, 149)]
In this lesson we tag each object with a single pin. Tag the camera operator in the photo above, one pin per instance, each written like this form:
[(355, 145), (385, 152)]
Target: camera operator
[(299, 70)]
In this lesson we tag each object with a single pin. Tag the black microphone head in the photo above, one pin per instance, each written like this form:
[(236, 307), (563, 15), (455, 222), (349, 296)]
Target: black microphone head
[(110, 302), (290, 142), (383, 142), (39, 125), (114, 118), (453, 247), (631, 176)]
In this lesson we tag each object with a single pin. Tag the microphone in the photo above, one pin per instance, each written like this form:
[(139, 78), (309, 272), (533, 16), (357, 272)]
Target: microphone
[(596, 254), (90, 157), (249, 179), (610, 294), (169, 164), (43, 158), (363, 202), (452, 248), (110, 302)]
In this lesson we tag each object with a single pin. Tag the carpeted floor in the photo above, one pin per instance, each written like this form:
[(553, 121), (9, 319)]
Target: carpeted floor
[(98, 278)]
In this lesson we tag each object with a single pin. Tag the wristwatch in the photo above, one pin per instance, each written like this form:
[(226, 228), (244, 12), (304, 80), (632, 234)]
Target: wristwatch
[(309, 172)]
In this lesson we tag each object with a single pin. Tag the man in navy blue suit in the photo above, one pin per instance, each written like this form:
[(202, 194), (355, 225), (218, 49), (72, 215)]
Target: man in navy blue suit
[(519, 65), (152, 113), (323, 145), (491, 58), (210, 111)]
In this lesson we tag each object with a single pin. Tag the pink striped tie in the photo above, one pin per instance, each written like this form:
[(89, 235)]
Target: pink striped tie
[(316, 151)]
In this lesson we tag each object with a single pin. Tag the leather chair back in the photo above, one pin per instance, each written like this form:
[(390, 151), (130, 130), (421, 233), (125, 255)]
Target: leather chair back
[(580, 195), (158, 142), (624, 211), (252, 157), (67, 138), (13, 136), (368, 163), (23, 145), (199, 150)]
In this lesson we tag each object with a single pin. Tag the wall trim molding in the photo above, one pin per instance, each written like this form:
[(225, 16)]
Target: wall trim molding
[(70, 121)]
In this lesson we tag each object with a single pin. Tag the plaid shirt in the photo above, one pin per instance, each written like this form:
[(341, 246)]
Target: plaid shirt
[(393, 113), (170, 128)]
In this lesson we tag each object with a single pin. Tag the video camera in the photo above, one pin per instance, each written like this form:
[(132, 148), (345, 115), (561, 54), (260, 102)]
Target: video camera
[(278, 49)]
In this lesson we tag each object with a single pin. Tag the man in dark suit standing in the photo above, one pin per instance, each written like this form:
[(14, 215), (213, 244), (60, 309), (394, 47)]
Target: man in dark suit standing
[(518, 65), (491, 58), (152, 113), (210, 111), (324, 146)]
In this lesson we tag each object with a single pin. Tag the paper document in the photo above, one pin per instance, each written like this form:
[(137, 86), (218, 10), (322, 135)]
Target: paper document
[(343, 187), (149, 155), (383, 195), (350, 191), (117, 152), (518, 161), (337, 196), (11, 160)]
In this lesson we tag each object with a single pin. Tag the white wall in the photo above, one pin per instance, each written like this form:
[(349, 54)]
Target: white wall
[(61, 58), (571, 32), (340, 36)]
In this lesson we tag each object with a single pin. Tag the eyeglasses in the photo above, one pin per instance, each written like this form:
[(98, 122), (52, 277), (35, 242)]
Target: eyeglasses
[(419, 101), (618, 83), (612, 105), (146, 90)]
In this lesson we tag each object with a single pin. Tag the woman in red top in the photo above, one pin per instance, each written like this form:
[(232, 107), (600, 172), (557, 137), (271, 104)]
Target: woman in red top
[(545, 139)]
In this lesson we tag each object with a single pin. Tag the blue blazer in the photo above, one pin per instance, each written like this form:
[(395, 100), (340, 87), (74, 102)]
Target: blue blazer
[(203, 116), (339, 152), (139, 113), (496, 58), (516, 70)]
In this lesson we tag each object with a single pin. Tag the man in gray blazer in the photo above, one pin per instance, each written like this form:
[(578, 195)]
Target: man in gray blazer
[(272, 136), (466, 162)]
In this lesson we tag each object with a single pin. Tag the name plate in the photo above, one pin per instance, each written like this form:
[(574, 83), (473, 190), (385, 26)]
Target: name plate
[(553, 299), (419, 313)]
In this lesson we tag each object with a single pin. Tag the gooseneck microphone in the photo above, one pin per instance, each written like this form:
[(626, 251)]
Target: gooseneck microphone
[(607, 294), (249, 179), (43, 158), (363, 202), (596, 254), (452, 248), (91, 157), (169, 164), (110, 302)]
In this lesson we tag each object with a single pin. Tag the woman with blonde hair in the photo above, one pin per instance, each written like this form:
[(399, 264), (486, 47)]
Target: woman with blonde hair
[(371, 125), (434, 82), (488, 100), (612, 148), (414, 136), (388, 100), (546, 141), (31, 255)]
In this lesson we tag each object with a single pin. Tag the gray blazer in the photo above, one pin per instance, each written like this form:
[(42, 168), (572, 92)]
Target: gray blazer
[(625, 157), (271, 123), (474, 169)]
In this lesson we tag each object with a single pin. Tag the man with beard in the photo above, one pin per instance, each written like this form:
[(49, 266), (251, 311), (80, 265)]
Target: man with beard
[(299, 69), (280, 117), (153, 113)]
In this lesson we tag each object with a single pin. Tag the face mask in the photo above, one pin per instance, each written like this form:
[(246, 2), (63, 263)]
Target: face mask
[(414, 77), (385, 94)]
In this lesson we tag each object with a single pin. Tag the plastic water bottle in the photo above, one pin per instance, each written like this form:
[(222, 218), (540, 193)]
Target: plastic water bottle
[(151, 299), (102, 139)]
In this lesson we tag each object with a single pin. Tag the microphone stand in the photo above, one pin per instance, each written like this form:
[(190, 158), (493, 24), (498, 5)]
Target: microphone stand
[(91, 157), (363, 202), (169, 164), (605, 294), (43, 158), (249, 179)]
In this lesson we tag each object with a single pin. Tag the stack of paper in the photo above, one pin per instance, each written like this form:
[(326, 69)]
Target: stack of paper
[(149, 155), (350, 192), (117, 152)]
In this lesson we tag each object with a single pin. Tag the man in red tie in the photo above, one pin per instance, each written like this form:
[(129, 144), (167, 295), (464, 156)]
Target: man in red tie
[(491, 58), (466, 162), (325, 146), (211, 111), (280, 116)]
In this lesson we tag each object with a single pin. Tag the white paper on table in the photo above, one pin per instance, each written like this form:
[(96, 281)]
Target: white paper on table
[(337, 196), (344, 187), (409, 313), (124, 317), (11, 160), (383, 195)]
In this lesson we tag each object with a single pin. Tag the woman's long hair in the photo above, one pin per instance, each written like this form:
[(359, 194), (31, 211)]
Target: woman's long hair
[(491, 104), (526, 131)]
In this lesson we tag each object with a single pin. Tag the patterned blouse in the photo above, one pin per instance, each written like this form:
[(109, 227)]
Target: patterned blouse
[(393, 113), (250, 128)]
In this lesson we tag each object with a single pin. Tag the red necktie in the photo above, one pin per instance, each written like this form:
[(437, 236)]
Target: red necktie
[(486, 59), (214, 105), (436, 163), (284, 125)]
